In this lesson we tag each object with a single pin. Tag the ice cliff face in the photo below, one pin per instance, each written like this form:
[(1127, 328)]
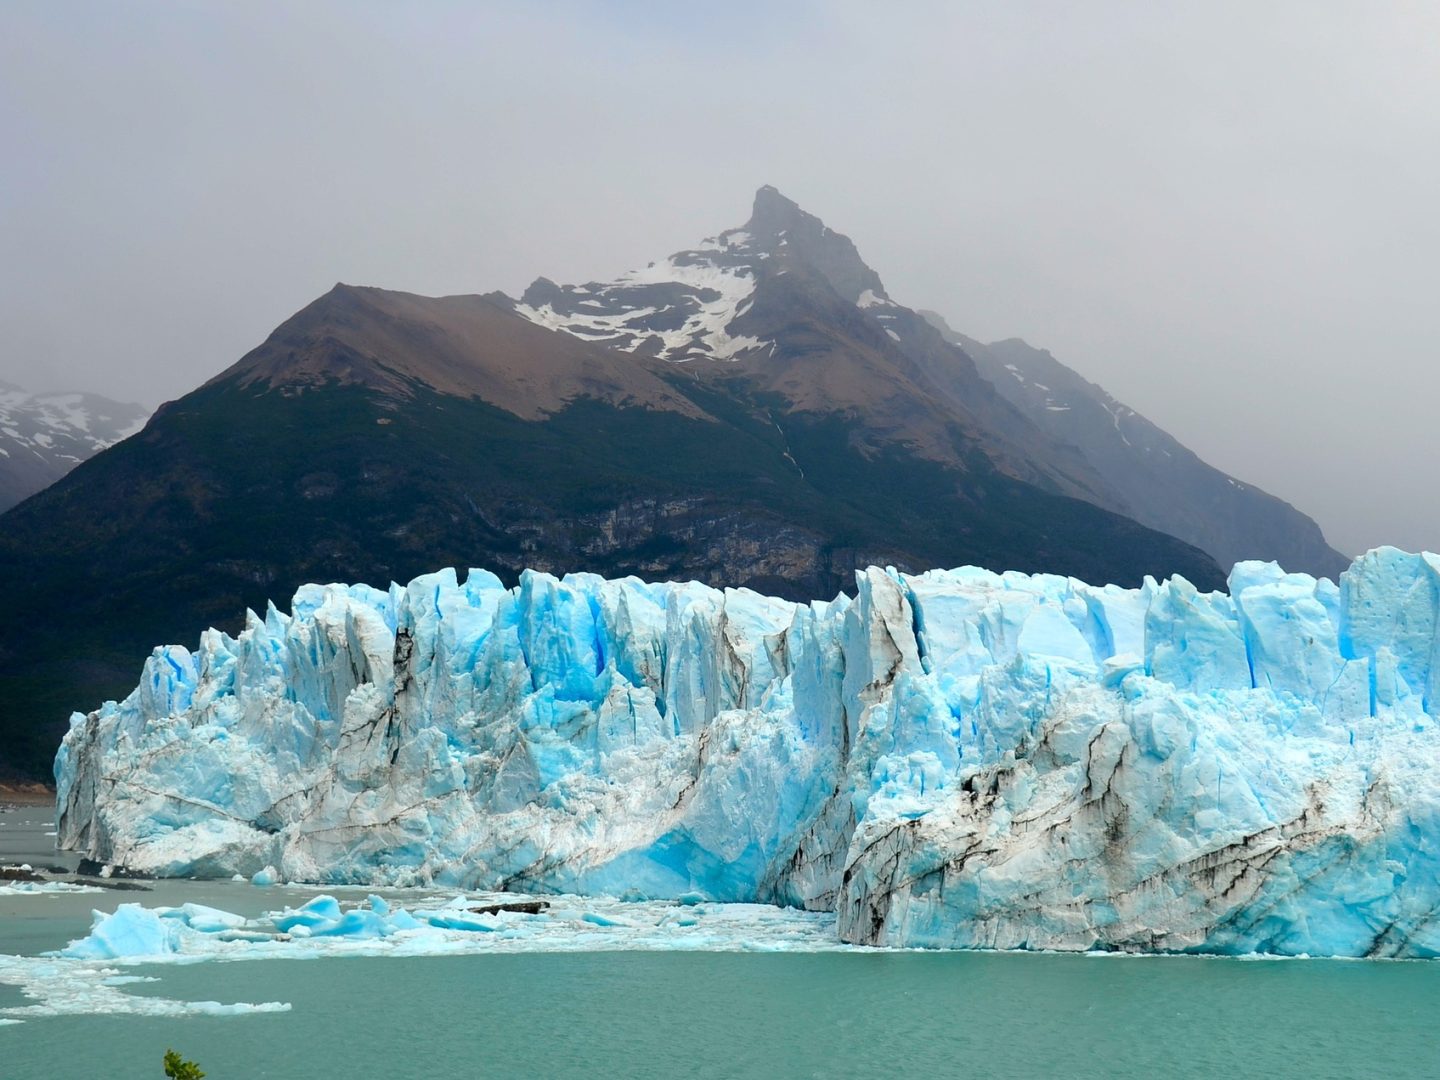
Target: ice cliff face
[(956, 758)]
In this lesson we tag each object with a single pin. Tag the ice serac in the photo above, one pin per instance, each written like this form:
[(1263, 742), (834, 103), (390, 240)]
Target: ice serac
[(952, 759)]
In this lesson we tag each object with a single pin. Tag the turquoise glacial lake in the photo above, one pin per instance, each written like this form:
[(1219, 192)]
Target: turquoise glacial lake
[(717, 1014)]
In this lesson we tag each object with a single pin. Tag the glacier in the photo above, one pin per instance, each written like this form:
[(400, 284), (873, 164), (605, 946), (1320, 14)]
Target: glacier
[(952, 759)]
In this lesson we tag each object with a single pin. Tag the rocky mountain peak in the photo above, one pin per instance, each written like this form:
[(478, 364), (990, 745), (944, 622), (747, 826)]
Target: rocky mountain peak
[(697, 303), (779, 227), (773, 213)]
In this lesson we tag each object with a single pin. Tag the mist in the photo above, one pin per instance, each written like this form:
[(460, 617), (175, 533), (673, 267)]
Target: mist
[(1225, 214)]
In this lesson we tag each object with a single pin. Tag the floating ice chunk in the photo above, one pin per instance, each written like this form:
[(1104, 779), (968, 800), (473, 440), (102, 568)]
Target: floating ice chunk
[(323, 911), (596, 919), (207, 919), (356, 923), (448, 919), (130, 931)]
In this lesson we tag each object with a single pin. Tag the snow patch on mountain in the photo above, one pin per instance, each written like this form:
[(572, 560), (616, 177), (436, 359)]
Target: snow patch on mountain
[(44, 436), (64, 427), (678, 309)]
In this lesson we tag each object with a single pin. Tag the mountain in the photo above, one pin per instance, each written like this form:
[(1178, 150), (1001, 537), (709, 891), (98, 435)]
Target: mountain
[(785, 307), (755, 412), (44, 436), (1167, 486)]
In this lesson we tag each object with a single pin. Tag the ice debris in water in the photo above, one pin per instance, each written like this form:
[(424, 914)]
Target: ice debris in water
[(59, 986), (495, 922), (81, 978), (42, 888), (954, 758)]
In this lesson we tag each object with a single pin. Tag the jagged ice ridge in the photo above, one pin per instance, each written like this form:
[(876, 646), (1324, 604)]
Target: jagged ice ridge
[(951, 759)]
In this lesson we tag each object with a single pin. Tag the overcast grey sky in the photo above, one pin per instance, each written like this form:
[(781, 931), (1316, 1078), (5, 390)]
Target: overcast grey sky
[(1225, 213)]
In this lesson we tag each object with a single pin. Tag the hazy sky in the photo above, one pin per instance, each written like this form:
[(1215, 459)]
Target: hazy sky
[(1226, 214)]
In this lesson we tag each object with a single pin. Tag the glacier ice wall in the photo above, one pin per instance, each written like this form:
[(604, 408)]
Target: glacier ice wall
[(952, 759)]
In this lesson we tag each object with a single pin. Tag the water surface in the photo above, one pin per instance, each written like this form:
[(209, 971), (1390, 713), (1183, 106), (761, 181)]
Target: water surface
[(713, 1015)]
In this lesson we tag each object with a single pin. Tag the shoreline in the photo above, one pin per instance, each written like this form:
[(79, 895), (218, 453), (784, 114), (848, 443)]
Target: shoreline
[(26, 795)]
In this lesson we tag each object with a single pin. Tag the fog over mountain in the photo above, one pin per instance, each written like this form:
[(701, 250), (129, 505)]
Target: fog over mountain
[(1224, 214)]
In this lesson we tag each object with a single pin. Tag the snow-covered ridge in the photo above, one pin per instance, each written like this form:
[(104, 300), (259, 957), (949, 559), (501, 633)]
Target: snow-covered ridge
[(956, 758), (65, 427), (678, 309), (44, 436)]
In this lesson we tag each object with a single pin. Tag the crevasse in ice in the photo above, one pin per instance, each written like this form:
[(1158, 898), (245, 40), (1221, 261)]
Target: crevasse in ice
[(953, 759)]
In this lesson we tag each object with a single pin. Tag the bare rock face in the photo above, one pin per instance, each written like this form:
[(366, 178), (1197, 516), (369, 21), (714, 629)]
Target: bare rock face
[(462, 346)]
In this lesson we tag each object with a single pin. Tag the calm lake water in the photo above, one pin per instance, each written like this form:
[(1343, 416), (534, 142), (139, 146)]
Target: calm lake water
[(661, 1014)]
